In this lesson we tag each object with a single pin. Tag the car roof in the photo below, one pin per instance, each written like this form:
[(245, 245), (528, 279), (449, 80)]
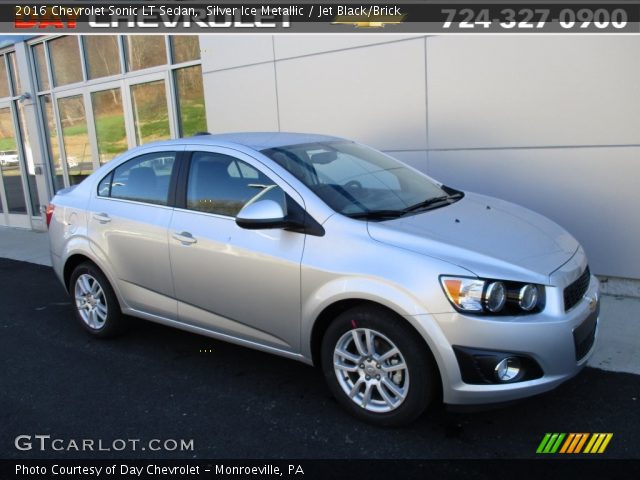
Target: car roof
[(254, 140)]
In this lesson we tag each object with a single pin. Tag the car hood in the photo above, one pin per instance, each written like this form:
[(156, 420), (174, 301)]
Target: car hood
[(484, 235)]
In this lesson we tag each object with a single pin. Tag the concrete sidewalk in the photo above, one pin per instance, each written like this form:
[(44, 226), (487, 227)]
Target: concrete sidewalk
[(618, 346)]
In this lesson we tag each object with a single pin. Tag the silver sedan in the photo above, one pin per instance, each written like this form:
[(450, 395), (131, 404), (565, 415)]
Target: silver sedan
[(403, 290)]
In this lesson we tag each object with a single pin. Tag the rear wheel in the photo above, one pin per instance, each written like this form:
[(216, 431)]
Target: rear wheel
[(96, 304), (378, 367)]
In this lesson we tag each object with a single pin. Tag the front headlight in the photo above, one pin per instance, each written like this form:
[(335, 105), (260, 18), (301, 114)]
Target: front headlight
[(493, 297)]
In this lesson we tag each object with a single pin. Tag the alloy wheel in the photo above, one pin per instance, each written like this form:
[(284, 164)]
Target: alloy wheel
[(371, 370), (91, 301)]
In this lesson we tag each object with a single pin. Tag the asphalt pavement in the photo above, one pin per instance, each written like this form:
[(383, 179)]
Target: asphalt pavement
[(232, 402)]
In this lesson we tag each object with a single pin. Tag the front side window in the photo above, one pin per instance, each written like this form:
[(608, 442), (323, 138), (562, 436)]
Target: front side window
[(356, 180), (222, 184), (142, 179)]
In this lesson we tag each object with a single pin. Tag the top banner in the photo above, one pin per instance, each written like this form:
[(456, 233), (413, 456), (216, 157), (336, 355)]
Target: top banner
[(46, 17)]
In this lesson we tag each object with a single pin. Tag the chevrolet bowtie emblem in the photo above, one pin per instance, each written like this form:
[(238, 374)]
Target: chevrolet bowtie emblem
[(368, 22)]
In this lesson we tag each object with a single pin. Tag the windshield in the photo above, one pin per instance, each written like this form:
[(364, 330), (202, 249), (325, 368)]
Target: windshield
[(356, 180)]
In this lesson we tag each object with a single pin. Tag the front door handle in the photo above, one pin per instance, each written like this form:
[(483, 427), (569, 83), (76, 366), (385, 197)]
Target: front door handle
[(102, 217), (185, 238)]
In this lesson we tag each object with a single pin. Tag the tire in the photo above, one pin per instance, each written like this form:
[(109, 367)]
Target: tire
[(397, 395), (96, 304)]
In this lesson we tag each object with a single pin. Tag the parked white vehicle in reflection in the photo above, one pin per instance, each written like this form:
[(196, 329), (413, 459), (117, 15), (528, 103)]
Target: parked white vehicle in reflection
[(323, 250), (9, 158)]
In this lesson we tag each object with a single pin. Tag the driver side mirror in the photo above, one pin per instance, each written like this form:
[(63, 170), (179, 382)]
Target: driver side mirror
[(262, 214)]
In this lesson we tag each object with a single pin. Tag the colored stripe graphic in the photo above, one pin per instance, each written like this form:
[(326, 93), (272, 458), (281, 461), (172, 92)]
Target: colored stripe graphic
[(550, 443), (598, 443), (574, 443)]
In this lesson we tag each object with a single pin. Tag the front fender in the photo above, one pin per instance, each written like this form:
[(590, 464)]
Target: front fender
[(372, 290)]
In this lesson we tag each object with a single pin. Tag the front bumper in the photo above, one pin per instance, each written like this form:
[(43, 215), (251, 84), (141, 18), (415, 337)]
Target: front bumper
[(551, 338)]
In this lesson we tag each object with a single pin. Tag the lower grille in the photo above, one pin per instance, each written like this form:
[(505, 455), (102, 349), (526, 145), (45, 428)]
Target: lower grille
[(574, 292), (585, 335)]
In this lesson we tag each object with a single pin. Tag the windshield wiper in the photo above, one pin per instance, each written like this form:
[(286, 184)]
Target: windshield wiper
[(377, 214), (432, 201), (390, 214)]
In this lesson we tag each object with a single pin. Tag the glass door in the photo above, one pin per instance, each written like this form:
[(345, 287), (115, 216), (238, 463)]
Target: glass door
[(14, 208)]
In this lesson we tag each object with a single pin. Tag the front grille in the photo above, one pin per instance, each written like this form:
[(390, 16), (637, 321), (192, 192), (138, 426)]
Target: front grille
[(574, 292)]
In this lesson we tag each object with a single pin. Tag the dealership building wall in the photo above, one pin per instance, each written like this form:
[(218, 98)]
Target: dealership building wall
[(549, 122)]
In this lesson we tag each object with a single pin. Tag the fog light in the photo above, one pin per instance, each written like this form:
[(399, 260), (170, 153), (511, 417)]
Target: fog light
[(508, 369), (528, 297)]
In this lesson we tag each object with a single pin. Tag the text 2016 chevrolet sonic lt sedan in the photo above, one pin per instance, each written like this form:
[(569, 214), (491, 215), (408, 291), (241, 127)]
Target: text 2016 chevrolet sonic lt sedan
[(326, 251)]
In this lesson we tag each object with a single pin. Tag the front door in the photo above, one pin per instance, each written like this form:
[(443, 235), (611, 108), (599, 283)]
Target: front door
[(241, 283)]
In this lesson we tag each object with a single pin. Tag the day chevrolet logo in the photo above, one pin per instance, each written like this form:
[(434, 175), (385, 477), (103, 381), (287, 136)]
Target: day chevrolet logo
[(368, 22), (574, 443)]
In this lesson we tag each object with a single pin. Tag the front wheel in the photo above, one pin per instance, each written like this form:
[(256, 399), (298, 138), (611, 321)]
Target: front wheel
[(378, 367), (96, 304)]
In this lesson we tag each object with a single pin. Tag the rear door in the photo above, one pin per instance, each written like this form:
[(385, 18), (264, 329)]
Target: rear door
[(241, 283), (128, 221)]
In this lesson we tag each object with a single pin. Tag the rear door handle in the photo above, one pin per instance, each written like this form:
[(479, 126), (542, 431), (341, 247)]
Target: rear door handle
[(102, 217), (185, 238)]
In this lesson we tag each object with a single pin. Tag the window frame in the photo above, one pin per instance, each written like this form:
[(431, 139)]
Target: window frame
[(182, 199), (263, 168), (178, 167)]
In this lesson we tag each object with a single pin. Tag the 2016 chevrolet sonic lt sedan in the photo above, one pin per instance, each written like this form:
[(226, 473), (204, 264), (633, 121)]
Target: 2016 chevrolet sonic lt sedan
[(326, 251)]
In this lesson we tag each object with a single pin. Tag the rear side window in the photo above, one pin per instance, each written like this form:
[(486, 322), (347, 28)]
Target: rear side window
[(141, 179), (222, 184)]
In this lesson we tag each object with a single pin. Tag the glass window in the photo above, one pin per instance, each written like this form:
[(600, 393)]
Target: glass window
[(104, 187), (75, 138), (4, 79), (143, 179), (30, 170), (150, 114), (185, 48), (102, 55), (10, 164), (108, 116), (15, 78), (216, 184), (145, 51), (65, 60), (52, 143), (354, 179), (41, 66), (190, 95)]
